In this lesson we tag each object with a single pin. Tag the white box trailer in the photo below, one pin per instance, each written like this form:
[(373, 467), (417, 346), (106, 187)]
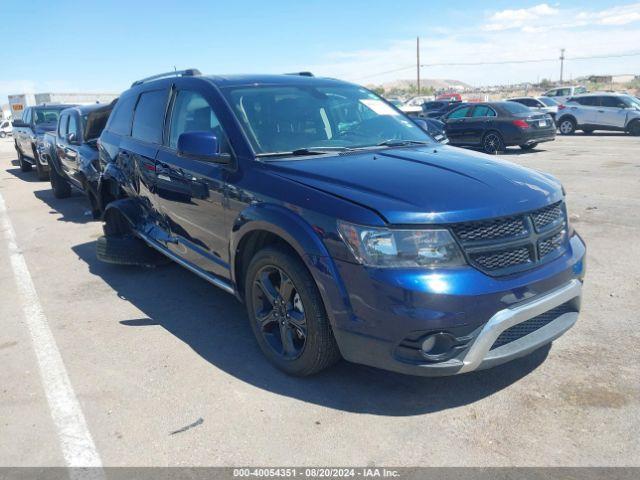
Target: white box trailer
[(19, 102)]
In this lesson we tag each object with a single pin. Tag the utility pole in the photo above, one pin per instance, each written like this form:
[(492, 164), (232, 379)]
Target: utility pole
[(418, 61), (561, 64)]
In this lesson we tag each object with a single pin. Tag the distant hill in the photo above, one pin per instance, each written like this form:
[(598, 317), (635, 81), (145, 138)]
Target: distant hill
[(435, 83)]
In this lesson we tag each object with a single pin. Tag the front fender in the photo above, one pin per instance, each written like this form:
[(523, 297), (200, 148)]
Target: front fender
[(302, 237)]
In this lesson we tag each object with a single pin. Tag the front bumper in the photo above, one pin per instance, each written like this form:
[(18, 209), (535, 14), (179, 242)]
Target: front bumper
[(391, 319)]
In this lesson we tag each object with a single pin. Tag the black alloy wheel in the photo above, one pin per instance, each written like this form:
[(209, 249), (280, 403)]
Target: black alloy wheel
[(492, 143), (279, 312)]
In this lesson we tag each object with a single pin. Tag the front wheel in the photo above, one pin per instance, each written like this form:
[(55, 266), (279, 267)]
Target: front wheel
[(60, 186), (567, 126), (24, 165), (43, 174), (287, 314), (492, 143)]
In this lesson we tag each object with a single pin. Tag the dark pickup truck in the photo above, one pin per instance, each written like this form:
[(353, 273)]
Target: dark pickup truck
[(72, 153), (29, 130)]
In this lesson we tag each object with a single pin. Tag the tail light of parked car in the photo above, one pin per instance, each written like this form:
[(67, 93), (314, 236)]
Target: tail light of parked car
[(521, 124), (562, 106)]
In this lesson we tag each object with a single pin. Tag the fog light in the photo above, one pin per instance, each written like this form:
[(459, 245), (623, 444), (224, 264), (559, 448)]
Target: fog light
[(438, 346)]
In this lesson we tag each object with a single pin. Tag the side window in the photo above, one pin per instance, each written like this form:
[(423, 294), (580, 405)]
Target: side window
[(480, 111), (551, 93), (120, 120), (192, 113), (459, 113), (73, 125), (612, 102), (579, 90), (26, 118), (587, 101), (148, 117), (62, 125)]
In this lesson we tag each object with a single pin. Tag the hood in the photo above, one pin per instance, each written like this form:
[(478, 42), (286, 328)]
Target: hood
[(422, 185)]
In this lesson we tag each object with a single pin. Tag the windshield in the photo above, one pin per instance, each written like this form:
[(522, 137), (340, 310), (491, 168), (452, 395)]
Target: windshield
[(43, 115), (549, 102), (631, 101), (281, 119)]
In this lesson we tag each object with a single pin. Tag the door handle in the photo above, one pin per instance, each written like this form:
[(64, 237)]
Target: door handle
[(600, 111)]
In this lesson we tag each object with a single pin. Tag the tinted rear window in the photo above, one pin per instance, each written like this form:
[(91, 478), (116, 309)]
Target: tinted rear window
[(513, 107), (120, 121), (149, 116)]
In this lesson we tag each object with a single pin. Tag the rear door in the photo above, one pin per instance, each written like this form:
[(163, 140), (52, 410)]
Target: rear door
[(612, 112), (587, 113), (455, 124), (137, 153), (482, 119), (191, 193)]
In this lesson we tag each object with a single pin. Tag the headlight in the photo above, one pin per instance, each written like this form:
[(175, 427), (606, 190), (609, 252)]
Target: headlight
[(382, 247)]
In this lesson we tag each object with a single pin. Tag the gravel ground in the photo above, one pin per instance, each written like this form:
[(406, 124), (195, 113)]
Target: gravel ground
[(150, 352)]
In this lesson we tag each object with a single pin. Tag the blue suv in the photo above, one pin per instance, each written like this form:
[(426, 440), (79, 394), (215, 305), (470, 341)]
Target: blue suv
[(341, 224)]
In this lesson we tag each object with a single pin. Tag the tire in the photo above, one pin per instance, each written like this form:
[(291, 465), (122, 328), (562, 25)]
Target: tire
[(43, 175), (299, 347), (492, 143), (24, 165), (634, 128), (528, 147), (567, 126), (128, 250), (60, 185)]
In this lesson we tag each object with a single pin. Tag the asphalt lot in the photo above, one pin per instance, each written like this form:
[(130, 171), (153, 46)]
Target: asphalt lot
[(151, 351)]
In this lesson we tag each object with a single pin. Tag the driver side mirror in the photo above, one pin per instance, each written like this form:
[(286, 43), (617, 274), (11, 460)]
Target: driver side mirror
[(202, 146)]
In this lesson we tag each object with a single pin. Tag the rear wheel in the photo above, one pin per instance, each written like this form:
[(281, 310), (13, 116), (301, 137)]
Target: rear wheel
[(60, 186), (25, 166), (492, 143), (634, 128), (43, 174), (530, 146), (287, 314), (567, 126)]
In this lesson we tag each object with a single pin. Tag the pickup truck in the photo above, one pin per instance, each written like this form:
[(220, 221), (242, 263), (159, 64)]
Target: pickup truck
[(28, 130), (71, 152), (342, 225)]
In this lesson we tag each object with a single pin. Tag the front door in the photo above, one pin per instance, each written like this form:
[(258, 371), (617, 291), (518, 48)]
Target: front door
[(190, 193), (456, 125)]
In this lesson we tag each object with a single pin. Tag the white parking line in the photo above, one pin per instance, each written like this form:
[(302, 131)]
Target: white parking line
[(76, 443)]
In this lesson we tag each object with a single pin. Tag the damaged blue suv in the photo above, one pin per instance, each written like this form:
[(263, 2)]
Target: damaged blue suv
[(341, 224)]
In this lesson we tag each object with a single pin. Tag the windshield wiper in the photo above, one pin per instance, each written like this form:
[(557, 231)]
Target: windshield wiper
[(300, 152), (401, 143)]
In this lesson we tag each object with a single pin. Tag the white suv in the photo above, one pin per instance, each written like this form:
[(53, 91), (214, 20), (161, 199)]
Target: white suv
[(600, 111), (562, 94), (5, 128)]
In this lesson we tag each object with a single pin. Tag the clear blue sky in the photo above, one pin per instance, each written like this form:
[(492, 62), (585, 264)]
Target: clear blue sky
[(102, 46)]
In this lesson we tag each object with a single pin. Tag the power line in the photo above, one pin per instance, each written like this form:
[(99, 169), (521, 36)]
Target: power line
[(502, 62)]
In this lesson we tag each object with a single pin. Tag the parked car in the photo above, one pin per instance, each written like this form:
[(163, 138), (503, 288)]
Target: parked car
[(5, 128), (71, 152), (562, 94), (604, 111), (493, 126), (29, 130), (540, 104), (438, 108), (342, 226), (413, 106), (452, 97), (435, 128)]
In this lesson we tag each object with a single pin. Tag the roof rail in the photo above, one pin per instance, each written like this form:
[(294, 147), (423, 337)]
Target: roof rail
[(190, 72), (301, 74)]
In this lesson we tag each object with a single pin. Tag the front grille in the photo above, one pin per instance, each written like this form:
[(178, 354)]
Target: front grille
[(503, 259), (531, 325), (506, 245), (490, 229)]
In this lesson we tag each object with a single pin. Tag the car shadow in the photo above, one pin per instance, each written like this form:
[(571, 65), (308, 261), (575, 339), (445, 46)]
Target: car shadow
[(214, 324), (31, 177), (75, 208)]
